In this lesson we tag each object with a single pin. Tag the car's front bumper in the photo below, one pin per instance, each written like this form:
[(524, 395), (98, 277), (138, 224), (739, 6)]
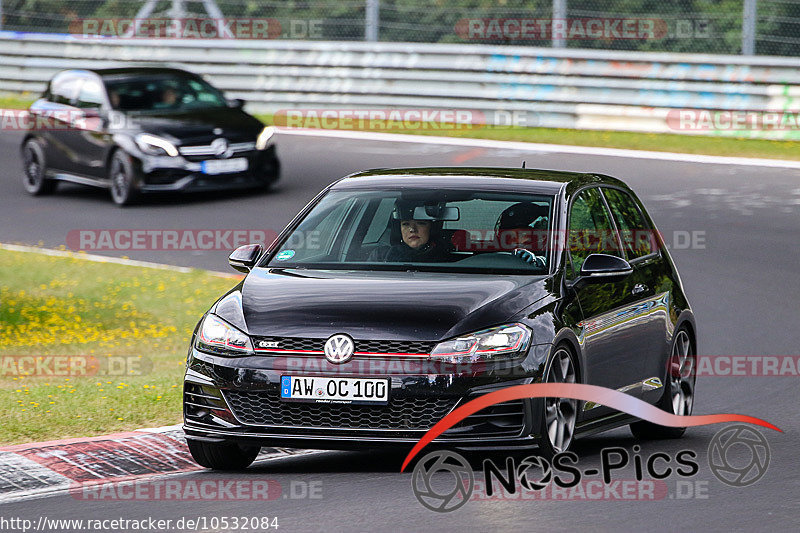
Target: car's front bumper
[(237, 399), (169, 174)]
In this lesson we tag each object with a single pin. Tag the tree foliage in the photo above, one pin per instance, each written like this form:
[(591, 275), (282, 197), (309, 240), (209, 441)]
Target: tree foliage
[(704, 26)]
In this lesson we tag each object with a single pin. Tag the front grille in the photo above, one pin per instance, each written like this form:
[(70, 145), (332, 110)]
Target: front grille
[(164, 176), (208, 150), (201, 397), (264, 408), (394, 346), (364, 346), (200, 401), (503, 419)]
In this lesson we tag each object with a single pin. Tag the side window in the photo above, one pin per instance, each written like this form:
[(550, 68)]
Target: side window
[(637, 237), (590, 229), (64, 88), (380, 221), (331, 224), (91, 94), (316, 236)]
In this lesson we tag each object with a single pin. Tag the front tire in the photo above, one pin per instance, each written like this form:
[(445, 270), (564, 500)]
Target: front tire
[(557, 416), (124, 190), (222, 455), (35, 178), (678, 397)]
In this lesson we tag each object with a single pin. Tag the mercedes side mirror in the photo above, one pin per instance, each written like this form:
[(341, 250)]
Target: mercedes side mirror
[(244, 257), (92, 112)]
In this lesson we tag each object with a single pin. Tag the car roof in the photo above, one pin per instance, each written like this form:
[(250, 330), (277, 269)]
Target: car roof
[(538, 181), (135, 71)]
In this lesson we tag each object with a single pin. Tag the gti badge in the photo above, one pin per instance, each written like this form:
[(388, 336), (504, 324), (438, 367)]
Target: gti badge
[(339, 348), (268, 344)]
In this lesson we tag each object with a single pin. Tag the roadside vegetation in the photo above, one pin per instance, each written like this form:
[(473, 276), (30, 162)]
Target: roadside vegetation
[(15, 101), (90, 348), (658, 142)]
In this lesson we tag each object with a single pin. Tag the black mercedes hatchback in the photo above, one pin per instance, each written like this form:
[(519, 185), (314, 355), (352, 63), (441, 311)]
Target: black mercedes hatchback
[(142, 130), (397, 295)]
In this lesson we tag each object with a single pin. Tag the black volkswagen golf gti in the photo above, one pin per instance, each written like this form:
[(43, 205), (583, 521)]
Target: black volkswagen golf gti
[(397, 295), (143, 129)]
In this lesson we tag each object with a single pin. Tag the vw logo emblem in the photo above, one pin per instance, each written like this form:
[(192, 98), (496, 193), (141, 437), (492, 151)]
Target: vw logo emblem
[(221, 148), (339, 348)]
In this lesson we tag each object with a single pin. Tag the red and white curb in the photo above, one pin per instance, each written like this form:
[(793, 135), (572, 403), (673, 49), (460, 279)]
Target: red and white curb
[(42, 469)]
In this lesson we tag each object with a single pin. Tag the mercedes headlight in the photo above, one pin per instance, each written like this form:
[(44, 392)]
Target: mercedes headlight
[(154, 145), (217, 336), (502, 342), (264, 137)]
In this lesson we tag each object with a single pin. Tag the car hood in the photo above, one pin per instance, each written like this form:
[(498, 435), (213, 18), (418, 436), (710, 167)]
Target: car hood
[(192, 127), (381, 305)]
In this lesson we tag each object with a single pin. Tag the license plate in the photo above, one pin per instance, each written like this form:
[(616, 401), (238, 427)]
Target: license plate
[(223, 166), (335, 390)]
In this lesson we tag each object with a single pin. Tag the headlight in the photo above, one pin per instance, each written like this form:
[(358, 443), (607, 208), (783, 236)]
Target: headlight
[(502, 342), (217, 336), (153, 145), (264, 137)]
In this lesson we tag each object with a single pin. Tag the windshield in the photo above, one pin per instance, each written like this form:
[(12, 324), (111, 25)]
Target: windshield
[(422, 229), (163, 93)]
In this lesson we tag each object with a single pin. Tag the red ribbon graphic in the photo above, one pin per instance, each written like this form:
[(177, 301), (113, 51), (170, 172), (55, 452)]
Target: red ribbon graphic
[(590, 393)]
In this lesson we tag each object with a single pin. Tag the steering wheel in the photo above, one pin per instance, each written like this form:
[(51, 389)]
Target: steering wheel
[(529, 257)]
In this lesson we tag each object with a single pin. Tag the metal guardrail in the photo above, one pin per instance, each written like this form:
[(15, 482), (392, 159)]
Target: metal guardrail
[(552, 88)]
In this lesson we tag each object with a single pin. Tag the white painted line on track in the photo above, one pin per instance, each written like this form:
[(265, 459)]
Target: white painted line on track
[(105, 259), (162, 429), (544, 148)]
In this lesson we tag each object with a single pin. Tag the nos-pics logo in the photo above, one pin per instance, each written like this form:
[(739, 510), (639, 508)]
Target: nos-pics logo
[(443, 481)]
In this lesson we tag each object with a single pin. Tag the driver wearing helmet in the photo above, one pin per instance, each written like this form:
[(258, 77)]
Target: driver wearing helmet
[(516, 230), (418, 231)]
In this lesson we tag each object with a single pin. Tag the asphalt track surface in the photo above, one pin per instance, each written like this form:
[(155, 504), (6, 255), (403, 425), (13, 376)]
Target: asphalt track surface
[(743, 285)]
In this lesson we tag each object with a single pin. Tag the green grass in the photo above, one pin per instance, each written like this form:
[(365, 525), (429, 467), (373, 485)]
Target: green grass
[(16, 101), (659, 142), (131, 323)]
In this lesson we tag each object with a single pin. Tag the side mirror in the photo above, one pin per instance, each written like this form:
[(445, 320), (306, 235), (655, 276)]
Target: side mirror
[(236, 103), (88, 119), (602, 268), (244, 257)]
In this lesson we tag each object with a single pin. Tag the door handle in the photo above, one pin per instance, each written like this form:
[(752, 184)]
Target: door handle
[(639, 288)]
